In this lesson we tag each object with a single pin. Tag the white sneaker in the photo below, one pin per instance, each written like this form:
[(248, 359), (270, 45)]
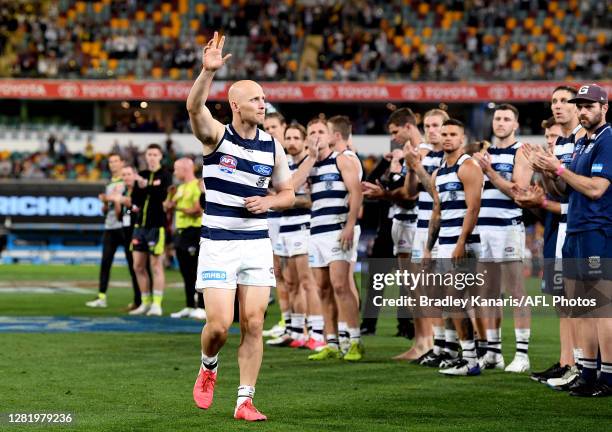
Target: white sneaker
[(563, 383), (140, 310), (282, 341), (275, 332), (520, 364), (462, 368), (183, 313), (198, 314), (493, 362), (155, 310), (97, 303)]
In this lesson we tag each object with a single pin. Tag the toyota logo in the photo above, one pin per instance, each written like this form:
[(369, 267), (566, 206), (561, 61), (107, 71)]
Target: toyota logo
[(324, 92), (499, 92), (412, 92), (68, 91), (153, 91)]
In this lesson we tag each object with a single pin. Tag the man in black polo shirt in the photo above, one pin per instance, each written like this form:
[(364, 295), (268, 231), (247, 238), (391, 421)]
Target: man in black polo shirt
[(149, 235)]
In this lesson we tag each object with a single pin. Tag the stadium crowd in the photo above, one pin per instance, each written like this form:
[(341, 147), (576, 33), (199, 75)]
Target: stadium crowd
[(308, 40)]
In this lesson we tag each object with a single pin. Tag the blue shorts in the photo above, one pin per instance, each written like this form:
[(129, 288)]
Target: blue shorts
[(587, 255)]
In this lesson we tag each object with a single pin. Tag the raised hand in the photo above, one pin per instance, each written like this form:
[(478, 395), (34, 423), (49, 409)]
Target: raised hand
[(212, 59), (411, 156), (313, 147)]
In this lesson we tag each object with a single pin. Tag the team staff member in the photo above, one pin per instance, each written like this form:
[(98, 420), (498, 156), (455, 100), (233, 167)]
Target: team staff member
[(188, 221), (148, 240), (113, 232), (128, 174), (588, 242)]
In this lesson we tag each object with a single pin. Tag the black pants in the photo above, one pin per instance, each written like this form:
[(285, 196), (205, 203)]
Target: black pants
[(187, 247), (111, 240), (127, 234)]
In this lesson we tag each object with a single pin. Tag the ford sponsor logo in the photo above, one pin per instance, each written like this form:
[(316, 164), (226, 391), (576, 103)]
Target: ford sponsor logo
[(263, 170), (452, 186), (503, 167), (329, 177)]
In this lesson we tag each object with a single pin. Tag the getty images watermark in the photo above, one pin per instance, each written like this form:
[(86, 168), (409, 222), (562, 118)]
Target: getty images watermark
[(430, 291)]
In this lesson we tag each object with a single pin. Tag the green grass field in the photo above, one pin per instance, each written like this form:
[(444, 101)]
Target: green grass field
[(128, 381)]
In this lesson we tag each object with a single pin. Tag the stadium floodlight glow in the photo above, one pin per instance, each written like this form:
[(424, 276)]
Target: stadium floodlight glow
[(491, 105), (125, 104), (144, 105)]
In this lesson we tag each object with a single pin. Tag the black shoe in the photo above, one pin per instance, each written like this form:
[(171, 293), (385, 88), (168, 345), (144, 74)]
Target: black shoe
[(583, 388), (434, 360), (555, 371), (368, 327), (428, 358), (419, 360), (601, 390)]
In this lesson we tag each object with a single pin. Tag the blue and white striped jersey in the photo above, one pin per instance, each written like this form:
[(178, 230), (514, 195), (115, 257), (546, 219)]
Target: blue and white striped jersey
[(452, 203), (498, 210), (329, 196), (431, 162), (564, 151), (296, 219), (237, 169)]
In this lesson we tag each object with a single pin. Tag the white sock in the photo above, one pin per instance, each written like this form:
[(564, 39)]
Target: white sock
[(332, 340), (578, 354), (343, 334), (245, 392), (317, 323), (297, 326), (210, 363), (287, 321), (355, 334), (522, 341), (450, 343), (494, 344), (468, 348), (438, 340)]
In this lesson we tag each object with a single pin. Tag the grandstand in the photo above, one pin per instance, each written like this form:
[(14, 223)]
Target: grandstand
[(309, 40)]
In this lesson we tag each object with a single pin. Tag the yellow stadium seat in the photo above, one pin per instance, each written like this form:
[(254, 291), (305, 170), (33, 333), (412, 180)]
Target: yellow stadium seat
[(529, 23), (156, 72), (511, 23), (80, 6), (427, 32), (194, 24), (97, 7), (601, 38), (157, 16), (141, 15), (559, 55), (166, 8), (536, 31), (200, 8), (423, 8), (112, 64)]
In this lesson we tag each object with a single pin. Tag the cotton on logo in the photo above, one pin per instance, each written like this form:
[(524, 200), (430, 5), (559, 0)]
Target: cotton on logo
[(68, 91), (324, 92), (499, 92), (153, 91)]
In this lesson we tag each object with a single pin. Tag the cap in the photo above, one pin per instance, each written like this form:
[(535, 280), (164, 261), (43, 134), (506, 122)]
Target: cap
[(590, 93)]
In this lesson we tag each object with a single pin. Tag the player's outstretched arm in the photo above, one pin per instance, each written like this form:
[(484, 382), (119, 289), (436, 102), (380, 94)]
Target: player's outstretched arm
[(208, 130)]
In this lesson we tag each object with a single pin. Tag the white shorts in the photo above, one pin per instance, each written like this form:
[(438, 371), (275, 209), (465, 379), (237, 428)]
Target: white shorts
[(445, 251), (500, 245), (403, 236), (561, 233), (419, 244), (226, 263), (292, 244), (273, 230), (325, 247)]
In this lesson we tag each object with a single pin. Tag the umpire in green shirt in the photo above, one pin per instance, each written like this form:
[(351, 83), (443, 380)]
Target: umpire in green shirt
[(185, 202)]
